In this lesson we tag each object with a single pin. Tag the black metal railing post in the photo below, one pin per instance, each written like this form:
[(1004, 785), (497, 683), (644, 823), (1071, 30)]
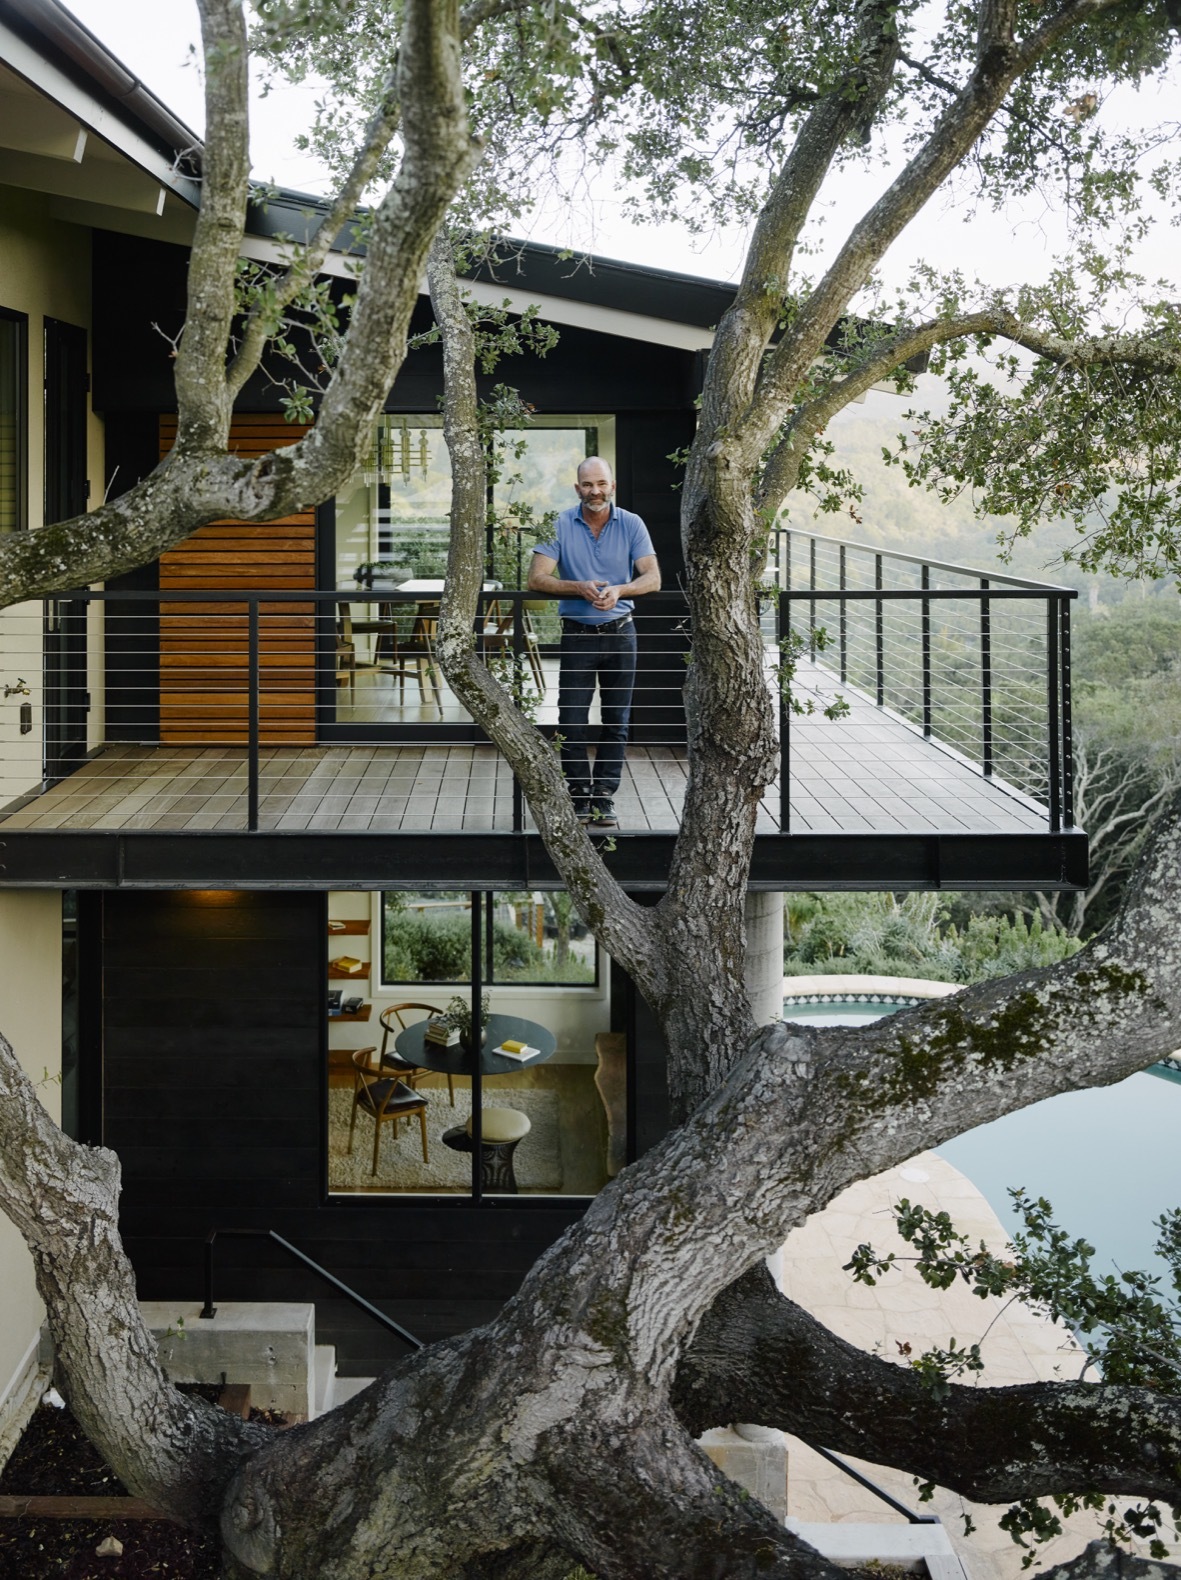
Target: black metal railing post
[(477, 1053), (842, 581), (1053, 717), (518, 683), (252, 733), (1067, 727), (812, 600), (784, 634), (985, 680), (209, 1310), (926, 636), (879, 636)]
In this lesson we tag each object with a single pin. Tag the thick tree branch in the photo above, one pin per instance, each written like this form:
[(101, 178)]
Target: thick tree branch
[(731, 724), (664, 1509), (1105, 1561), (999, 64), (203, 401), (439, 154), (624, 928), (175, 1451), (758, 1357), (1144, 353)]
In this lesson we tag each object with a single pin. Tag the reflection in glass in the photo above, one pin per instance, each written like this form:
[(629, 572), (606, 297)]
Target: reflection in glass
[(392, 533), (534, 939)]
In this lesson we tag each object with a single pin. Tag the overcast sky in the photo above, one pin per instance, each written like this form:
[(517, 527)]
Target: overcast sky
[(154, 38)]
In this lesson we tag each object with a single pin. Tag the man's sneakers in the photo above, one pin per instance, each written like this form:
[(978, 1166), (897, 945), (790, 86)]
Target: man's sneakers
[(602, 812), (596, 812)]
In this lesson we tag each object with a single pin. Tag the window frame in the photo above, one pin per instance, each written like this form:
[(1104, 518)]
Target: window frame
[(20, 323), (381, 983)]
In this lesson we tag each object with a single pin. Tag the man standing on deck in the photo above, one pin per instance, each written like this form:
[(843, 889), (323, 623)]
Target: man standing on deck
[(599, 559)]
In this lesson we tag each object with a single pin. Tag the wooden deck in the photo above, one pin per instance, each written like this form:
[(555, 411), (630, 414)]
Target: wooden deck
[(868, 773)]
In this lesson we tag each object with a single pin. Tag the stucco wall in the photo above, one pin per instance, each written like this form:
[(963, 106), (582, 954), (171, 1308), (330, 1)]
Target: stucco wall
[(44, 273), (30, 1019)]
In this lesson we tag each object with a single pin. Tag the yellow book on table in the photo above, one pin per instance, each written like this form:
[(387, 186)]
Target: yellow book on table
[(348, 963)]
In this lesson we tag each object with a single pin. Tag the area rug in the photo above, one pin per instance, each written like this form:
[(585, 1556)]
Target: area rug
[(537, 1161)]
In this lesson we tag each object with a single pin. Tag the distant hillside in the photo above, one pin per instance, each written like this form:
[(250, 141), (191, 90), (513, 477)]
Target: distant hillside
[(914, 521)]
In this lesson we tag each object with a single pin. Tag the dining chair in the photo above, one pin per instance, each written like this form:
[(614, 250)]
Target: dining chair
[(346, 653), (497, 637), (383, 1097), (411, 656), (392, 1022)]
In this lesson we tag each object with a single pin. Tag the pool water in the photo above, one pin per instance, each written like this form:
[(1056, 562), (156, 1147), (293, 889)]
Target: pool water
[(1107, 1159), (840, 1012)]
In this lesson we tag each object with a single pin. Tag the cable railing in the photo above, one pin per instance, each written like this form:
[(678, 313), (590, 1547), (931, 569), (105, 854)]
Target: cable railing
[(978, 664), (289, 708)]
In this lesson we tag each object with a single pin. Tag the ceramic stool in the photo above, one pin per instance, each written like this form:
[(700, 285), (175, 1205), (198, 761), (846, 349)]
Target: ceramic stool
[(503, 1130)]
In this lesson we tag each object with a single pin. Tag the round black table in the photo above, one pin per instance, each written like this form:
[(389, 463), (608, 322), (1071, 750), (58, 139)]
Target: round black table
[(411, 1044)]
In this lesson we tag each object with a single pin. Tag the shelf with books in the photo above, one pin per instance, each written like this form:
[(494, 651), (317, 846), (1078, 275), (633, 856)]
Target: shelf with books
[(356, 1015), (342, 973)]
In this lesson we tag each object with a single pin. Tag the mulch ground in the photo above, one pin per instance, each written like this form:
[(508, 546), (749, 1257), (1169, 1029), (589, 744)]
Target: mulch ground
[(54, 1457)]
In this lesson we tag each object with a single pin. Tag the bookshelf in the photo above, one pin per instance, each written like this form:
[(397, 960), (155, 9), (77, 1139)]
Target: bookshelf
[(344, 935)]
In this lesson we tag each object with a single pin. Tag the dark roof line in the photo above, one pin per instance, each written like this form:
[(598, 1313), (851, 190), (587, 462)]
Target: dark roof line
[(90, 63), (536, 266)]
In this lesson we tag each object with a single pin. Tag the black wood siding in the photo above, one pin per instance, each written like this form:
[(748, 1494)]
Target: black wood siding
[(213, 1052)]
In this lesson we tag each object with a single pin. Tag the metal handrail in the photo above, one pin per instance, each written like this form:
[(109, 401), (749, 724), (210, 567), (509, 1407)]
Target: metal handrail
[(872, 1486), (209, 1310), (922, 559)]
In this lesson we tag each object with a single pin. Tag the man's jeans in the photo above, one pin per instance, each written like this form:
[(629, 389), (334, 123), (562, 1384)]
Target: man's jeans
[(609, 657)]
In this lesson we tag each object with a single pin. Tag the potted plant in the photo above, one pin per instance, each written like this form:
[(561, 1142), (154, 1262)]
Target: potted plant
[(459, 1014)]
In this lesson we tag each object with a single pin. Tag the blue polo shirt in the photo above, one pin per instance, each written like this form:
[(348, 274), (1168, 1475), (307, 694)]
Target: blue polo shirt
[(609, 558)]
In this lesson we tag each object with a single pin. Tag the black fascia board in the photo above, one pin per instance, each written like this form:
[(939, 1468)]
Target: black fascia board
[(607, 282), (63, 41), (282, 214), (112, 859), (530, 266)]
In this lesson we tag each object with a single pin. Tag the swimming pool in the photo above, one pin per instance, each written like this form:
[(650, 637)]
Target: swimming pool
[(1106, 1158)]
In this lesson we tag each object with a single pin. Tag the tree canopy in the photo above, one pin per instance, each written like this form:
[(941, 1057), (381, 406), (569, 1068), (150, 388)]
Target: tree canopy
[(564, 1430)]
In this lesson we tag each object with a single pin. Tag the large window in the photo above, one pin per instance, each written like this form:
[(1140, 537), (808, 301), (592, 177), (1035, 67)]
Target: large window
[(553, 1119), (394, 513), (14, 328), (531, 939)]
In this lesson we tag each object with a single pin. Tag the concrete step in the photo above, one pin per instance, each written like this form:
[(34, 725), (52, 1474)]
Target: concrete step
[(324, 1380), (349, 1387)]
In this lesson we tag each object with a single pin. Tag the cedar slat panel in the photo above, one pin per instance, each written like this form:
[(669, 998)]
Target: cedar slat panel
[(243, 581), (301, 527), (221, 660), (193, 705), (252, 548), (203, 646)]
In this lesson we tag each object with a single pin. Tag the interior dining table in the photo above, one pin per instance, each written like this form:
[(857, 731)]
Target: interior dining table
[(412, 1046)]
